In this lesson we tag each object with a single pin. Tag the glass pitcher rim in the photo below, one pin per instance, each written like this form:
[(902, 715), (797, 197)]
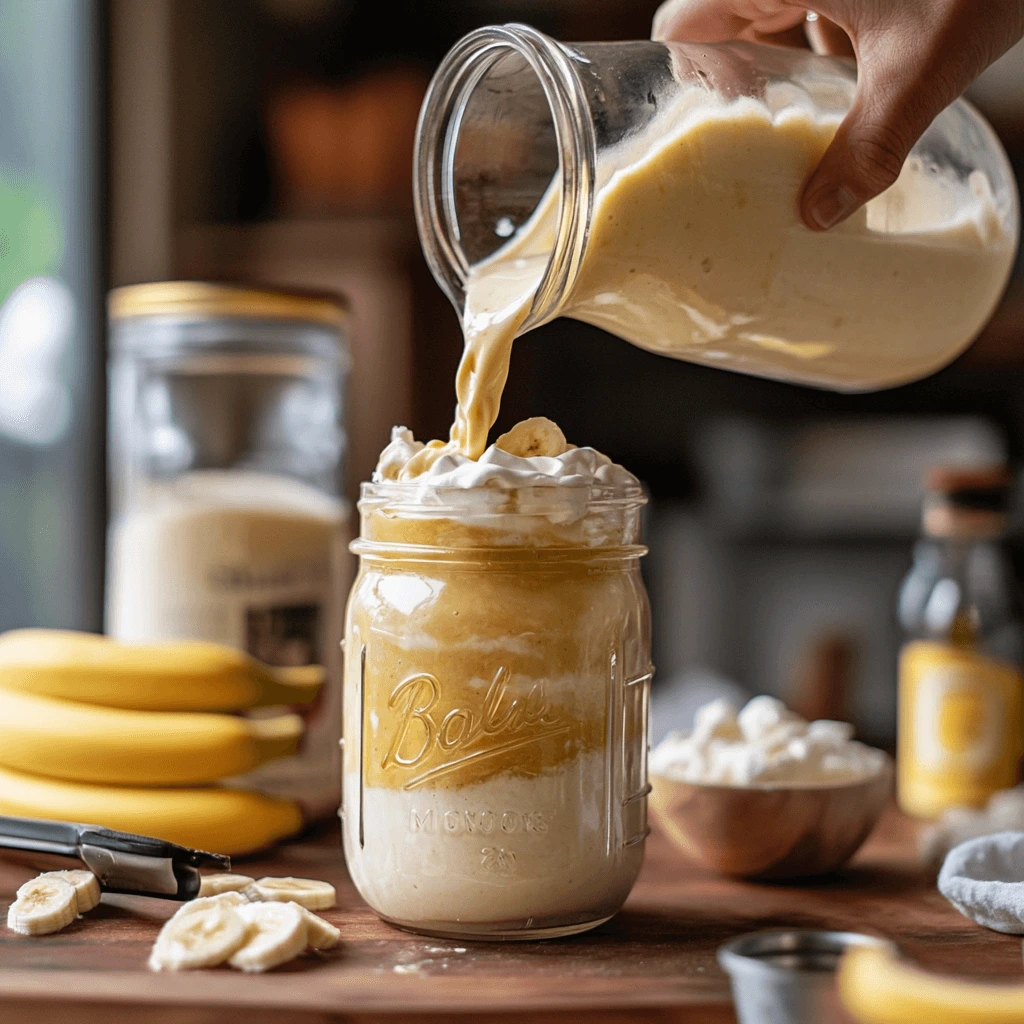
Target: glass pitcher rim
[(433, 188)]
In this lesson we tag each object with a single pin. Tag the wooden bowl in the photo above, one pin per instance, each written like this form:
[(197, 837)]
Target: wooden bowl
[(770, 830)]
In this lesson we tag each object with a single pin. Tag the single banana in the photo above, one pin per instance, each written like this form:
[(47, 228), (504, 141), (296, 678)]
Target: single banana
[(876, 987), (85, 743), (218, 884), (277, 933), (43, 905), (188, 675), (307, 892), (220, 820), (86, 884), (321, 934), (205, 938)]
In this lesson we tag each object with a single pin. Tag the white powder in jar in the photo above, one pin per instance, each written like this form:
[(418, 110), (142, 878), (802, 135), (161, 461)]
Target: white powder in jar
[(253, 560)]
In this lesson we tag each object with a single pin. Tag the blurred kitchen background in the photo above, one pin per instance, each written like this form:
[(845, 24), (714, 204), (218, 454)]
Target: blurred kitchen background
[(271, 141)]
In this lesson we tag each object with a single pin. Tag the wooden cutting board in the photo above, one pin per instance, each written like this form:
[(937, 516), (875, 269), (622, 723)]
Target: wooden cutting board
[(654, 961)]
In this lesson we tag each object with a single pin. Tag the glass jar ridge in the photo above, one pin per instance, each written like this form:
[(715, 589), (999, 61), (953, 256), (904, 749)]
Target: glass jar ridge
[(549, 522)]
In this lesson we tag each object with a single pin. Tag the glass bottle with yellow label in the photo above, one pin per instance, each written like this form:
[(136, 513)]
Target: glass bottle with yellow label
[(961, 725)]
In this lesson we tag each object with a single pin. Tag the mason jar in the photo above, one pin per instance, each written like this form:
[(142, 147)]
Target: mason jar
[(497, 674), (226, 480), (652, 189)]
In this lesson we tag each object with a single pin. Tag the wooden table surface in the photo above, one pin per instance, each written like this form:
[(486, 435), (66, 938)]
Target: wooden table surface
[(655, 961)]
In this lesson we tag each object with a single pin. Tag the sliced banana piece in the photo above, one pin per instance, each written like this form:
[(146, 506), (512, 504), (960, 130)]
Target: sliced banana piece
[(307, 892), (86, 885), (203, 938), (223, 899), (43, 905), (536, 436), (277, 933), (321, 934), (214, 885)]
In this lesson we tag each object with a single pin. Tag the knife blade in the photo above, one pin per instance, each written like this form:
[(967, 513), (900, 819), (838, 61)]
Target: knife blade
[(122, 862)]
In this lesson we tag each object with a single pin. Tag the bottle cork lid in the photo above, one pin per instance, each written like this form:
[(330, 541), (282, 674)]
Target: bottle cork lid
[(957, 479), (966, 501)]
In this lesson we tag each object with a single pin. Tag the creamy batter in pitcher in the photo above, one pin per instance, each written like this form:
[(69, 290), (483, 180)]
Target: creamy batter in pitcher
[(666, 181)]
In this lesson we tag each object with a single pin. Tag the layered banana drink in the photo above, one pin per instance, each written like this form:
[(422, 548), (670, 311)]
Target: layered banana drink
[(497, 673)]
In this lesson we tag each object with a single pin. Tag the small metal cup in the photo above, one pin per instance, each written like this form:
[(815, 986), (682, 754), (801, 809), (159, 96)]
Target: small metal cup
[(788, 977)]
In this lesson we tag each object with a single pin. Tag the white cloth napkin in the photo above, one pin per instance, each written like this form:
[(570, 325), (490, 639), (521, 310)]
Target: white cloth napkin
[(984, 879), (1004, 813)]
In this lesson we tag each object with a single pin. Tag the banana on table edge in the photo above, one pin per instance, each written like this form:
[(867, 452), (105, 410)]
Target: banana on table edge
[(188, 675), (87, 743), (213, 818), (877, 987)]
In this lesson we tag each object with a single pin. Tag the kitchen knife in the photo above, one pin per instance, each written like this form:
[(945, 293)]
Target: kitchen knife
[(123, 862)]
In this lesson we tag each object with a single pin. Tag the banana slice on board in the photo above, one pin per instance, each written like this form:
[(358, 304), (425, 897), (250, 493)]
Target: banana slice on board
[(86, 885), (223, 899), (307, 892), (277, 933), (43, 906), (207, 936), (321, 934), (214, 885)]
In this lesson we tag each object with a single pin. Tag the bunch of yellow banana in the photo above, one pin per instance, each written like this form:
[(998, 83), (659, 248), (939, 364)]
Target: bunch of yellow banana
[(131, 736)]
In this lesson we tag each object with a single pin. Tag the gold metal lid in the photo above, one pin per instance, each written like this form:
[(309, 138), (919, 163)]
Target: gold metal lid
[(210, 299)]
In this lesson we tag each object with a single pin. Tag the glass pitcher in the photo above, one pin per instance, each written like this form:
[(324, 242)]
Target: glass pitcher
[(652, 189)]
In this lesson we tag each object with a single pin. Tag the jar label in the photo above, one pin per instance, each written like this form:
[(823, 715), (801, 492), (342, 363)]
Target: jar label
[(960, 726), (429, 737)]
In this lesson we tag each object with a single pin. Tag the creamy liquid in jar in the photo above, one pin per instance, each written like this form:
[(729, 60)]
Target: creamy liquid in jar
[(497, 669), (254, 561)]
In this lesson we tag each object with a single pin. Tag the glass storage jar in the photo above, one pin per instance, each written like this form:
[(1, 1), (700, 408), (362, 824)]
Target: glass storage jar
[(652, 189), (497, 675), (226, 447)]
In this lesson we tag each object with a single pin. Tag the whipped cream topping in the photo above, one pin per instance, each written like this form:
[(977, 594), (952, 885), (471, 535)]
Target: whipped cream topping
[(764, 743), (496, 468)]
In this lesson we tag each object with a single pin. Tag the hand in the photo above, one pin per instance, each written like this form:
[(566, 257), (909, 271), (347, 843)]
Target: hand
[(914, 57)]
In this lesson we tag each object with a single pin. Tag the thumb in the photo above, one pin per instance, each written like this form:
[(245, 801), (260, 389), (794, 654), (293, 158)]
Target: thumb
[(893, 106)]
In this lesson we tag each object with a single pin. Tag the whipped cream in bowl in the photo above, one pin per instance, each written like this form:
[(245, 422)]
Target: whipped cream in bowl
[(764, 744), (762, 793)]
